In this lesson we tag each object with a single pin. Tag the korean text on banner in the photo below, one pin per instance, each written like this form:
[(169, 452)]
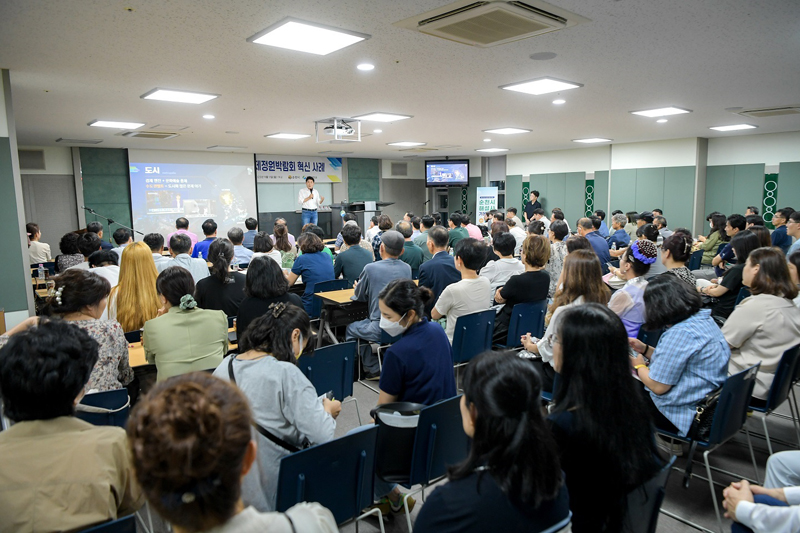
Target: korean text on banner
[(487, 201), (288, 169)]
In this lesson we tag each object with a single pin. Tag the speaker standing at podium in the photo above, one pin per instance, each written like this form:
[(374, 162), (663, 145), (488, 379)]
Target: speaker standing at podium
[(310, 201)]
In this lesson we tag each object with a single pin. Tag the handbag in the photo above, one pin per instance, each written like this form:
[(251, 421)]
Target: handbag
[(704, 415)]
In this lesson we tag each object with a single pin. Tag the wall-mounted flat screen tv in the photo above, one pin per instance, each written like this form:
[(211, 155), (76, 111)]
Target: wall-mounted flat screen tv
[(450, 173)]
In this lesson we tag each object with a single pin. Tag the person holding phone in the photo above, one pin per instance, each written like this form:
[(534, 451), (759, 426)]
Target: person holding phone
[(310, 201)]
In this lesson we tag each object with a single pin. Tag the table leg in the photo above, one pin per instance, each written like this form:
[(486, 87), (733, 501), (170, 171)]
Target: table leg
[(323, 324)]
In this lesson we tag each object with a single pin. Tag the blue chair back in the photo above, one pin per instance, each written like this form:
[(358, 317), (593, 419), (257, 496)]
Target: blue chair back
[(650, 337), (337, 474), (644, 502), (325, 286), (388, 339), (120, 525), (472, 335), (230, 321), (782, 382), (731, 413), (440, 441), (331, 369), (695, 260), (743, 293), (113, 408), (527, 317), (134, 336)]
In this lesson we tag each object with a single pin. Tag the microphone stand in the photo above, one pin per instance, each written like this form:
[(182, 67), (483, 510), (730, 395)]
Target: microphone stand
[(110, 221)]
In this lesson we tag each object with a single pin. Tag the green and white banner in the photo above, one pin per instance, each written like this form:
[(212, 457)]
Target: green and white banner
[(487, 201)]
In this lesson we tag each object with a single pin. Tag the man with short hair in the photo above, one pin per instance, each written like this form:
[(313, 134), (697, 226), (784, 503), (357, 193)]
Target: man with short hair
[(472, 230), (422, 239), (310, 201), (531, 206), (518, 233), (538, 215), (586, 229), (182, 228), (373, 229), (123, 238), (733, 225), (88, 243), (753, 220), (620, 237), (180, 246), (511, 213), (252, 228), (415, 225), (241, 255), (408, 216), (97, 228), (351, 262), (156, 243), (348, 218), (58, 473), (663, 230), (558, 214), (603, 229), (412, 254), (373, 280), (780, 237), (793, 230), (751, 210), (471, 294), (457, 231), (200, 249), (105, 263), (440, 270), (645, 217), (658, 213)]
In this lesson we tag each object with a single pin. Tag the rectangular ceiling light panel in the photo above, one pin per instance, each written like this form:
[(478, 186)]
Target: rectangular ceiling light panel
[(302, 36), (734, 127), (406, 143), (290, 136), (492, 150), (541, 86), (381, 117), (116, 124), (591, 140), (183, 97), (507, 131), (662, 112)]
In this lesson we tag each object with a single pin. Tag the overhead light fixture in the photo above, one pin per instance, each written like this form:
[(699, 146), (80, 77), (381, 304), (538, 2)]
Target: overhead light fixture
[(733, 127), (592, 140), (79, 141), (507, 131), (662, 120), (295, 34), (116, 124), (183, 97), (487, 140), (377, 131), (541, 86), (222, 148), (365, 66), (382, 117), (291, 136), (559, 101), (406, 143), (209, 117), (661, 112), (492, 150)]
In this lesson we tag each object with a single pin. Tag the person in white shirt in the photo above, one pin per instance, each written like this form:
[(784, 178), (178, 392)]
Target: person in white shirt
[(241, 255), (470, 295), (156, 243), (105, 264), (372, 230), (512, 213), (180, 246), (262, 246), (498, 272), (123, 238), (538, 214), (310, 201), (518, 233), (38, 252)]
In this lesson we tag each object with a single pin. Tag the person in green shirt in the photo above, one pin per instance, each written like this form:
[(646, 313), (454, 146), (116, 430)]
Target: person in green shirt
[(717, 236), (412, 254), (421, 240), (457, 230)]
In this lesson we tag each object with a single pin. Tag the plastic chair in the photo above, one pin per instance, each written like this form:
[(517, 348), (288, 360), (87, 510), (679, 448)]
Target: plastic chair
[(779, 391), (650, 337), (230, 321), (729, 418), (338, 475), (695, 260), (331, 369), (134, 336), (325, 286), (743, 293), (645, 501), (109, 408), (527, 317), (120, 525), (385, 342), (472, 335)]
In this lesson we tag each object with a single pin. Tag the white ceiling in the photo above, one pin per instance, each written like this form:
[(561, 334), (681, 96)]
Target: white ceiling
[(73, 61)]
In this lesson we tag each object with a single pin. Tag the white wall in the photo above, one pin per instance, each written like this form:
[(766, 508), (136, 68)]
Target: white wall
[(767, 148), (57, 160), (577, 160), (655, 154)]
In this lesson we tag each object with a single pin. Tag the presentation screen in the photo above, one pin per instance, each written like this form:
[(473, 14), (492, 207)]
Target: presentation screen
[(452, 173), (164, 188)]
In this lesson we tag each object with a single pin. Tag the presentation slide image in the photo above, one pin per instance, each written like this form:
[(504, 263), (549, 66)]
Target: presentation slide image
[(447, 173)]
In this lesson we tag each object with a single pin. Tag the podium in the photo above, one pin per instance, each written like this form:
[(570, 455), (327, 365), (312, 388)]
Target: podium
[(364, 211)]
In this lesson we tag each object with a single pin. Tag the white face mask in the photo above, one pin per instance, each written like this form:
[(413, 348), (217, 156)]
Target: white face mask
[(393, 329)]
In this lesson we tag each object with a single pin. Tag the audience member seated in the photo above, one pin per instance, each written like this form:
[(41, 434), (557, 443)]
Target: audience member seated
[(603, 229), (265, 285), (631, 226), (412, 254), (792, 229), (283, 400), (751, 210), (558, 252), (349, 219), (511, 479), (97, 228), (536, 227), (457, 231), (793, 262), (134, 300), (200, 249), (675, 253), (263, 247), (284, 245), (105, 263), (767, 323), (421, 240), (182, 228), (691, 358), (281, 222), (313, 265), (518, 233), (733, 225), (241, 255), (498, 272), (192, 445), (581, 282), (620, 237), (183, 338), (716, 237), (600, 420), (599, 245), (38, 252), (179, 248), (497, 229), (471, 294), (223, 290), (440, 271), (373, 228), (122, 238), (511, 213), (384, 224), (650, 233), (475, 232), (727, 289), (88, 243), (661, 225), (70, 254), (628, 301), (80, 297), (350, 263), (252, 228), (753, 220), (780, 236), (763, 234), (529, 286), (417, 368), (538, 216), (58, 473), (155, 241)]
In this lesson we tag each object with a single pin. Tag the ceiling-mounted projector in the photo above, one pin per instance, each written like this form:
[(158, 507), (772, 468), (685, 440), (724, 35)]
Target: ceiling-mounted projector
[(341, 129), (338, 130)]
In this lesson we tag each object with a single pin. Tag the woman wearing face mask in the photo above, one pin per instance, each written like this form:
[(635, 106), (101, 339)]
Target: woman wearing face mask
[(284, 403), (419, 367)]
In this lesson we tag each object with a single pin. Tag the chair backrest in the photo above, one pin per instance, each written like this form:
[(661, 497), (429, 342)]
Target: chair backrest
[(134, 336), (695, 260), (331, 369), (326, 286), (527, 317), (440, 441), (120, 525), (388, 339), (230, 321), (731, 412), (644, 502), (109, 408), (743, 293), (784, 375), (650, 337), (337, 474), (472, 335)]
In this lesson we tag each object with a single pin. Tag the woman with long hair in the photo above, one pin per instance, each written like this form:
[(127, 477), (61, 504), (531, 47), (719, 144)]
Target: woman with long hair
[(763, 234), (283, 401), (512, 479), (628, 302), (134, 300), (716, 236), (283, 244), (582, 282), (265, 285), (600, 420), (727, 288), (224, 288), (191, 444), (558, 252)]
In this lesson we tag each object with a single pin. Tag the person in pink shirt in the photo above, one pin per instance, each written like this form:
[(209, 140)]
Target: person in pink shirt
[(182, 226), (473, 230)]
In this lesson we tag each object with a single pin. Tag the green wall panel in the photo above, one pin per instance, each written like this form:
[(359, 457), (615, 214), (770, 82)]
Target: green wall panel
[(789, 185), (623, 190), (106, 185), (719, 188), (678, 193), (453, 200), (514, 191), (363, 180), (15, 280), (557, 192), (601, 191), (649, 188), (748, 186), (574, 196)]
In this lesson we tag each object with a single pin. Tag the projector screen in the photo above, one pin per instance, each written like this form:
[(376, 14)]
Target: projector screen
[(454, 172), (168, 185)]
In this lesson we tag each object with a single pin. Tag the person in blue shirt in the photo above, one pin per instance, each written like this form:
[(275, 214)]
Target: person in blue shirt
[(241, 255), (587, 227), (418, 367), (313, 265), (780, 237), (252, 228), (620, 237), (793, 230), (201, 248), (603, 229), (440, 271)]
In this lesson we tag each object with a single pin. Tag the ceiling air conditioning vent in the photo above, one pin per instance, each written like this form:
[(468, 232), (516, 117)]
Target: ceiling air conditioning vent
[(31, 159), (161, 135), (399, 169), (771, 111), (491, 23)]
